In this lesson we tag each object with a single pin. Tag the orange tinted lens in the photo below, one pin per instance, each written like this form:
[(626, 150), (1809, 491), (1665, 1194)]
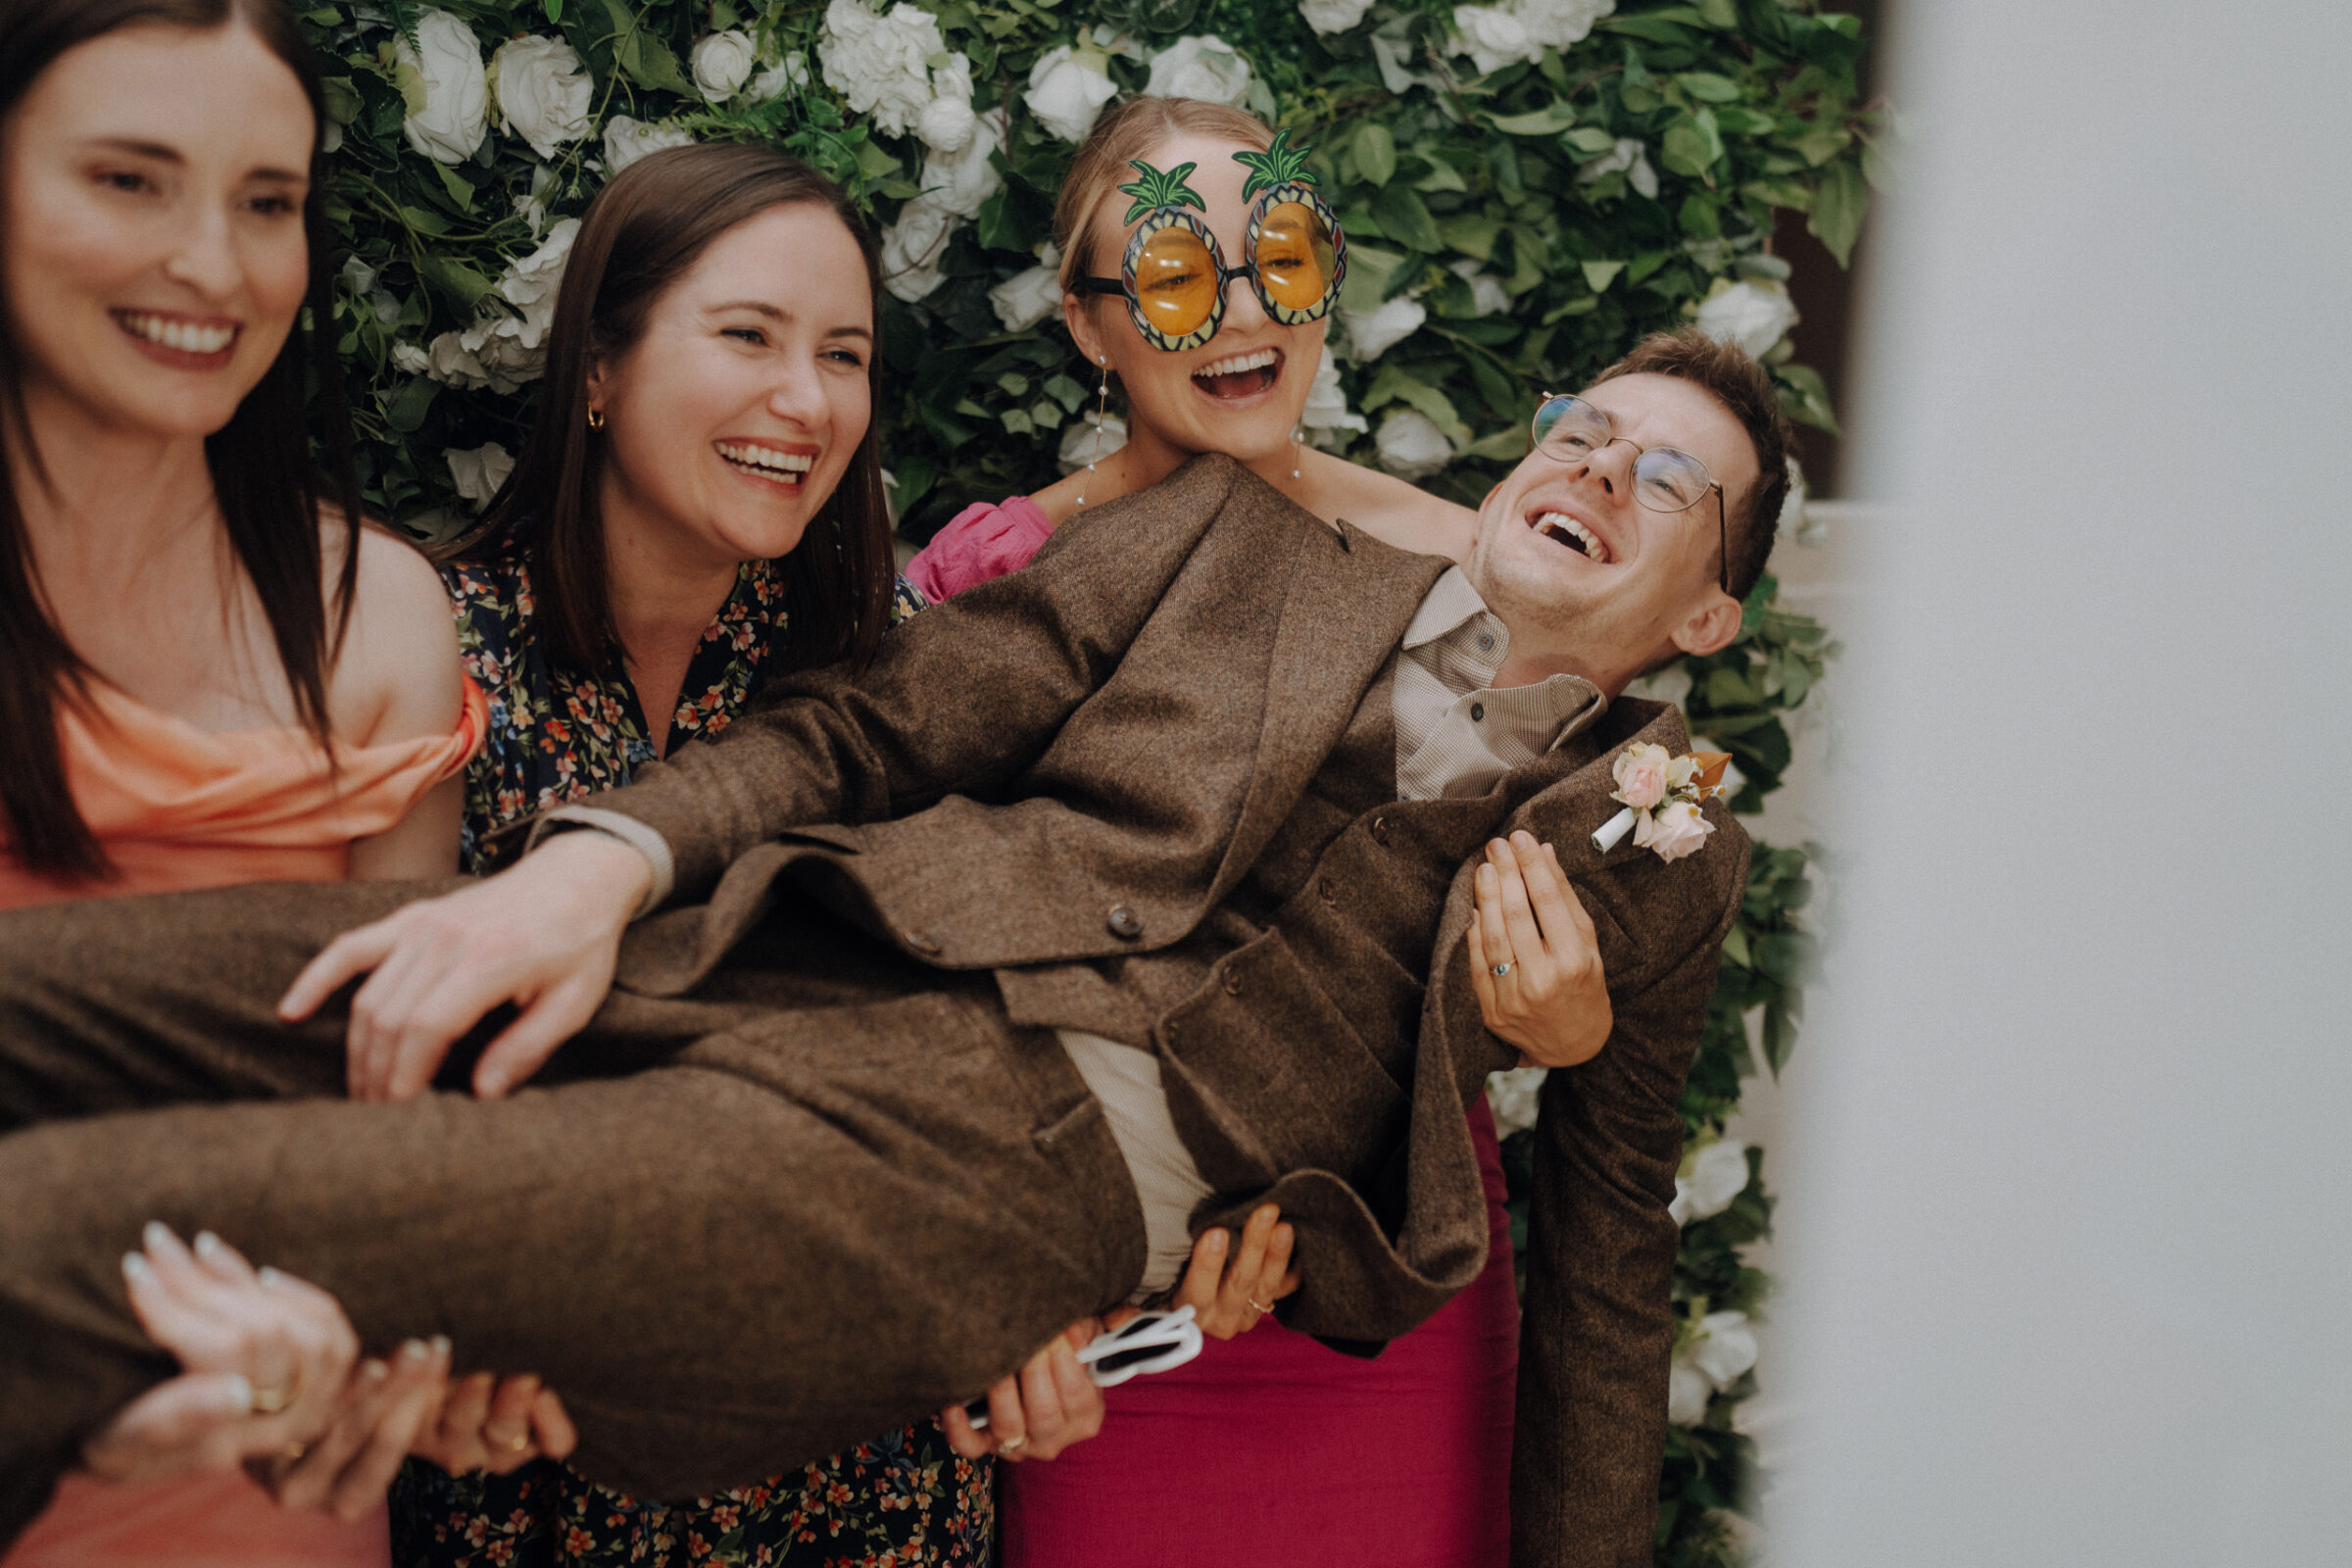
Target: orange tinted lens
[(1295, 255), (1176, 282)]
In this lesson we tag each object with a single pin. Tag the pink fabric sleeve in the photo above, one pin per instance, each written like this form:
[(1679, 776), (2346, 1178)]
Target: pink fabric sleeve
[(980, 542)]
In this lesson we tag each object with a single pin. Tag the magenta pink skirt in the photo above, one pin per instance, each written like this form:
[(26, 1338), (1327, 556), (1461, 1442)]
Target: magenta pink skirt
[(1272, 1449)]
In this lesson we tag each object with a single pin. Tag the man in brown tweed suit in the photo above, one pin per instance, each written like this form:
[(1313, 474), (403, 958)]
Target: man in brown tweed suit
[(824, 1156)]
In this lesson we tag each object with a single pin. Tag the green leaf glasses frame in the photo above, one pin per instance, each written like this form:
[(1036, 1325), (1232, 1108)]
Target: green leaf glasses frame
[(1568, 429)]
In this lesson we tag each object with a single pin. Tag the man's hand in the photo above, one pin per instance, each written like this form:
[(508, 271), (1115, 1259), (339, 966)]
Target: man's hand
[(544, 936), (1230, 1298), (496, 1424), (1040, 1410), (1554, 1002)]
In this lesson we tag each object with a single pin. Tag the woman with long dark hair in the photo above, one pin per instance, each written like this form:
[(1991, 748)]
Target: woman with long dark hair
[(211, 669)]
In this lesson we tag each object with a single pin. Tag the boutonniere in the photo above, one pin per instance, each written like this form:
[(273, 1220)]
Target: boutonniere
[(1662, 796)]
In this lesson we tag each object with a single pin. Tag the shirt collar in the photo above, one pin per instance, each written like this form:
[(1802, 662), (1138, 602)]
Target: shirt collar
[(1450, 602)]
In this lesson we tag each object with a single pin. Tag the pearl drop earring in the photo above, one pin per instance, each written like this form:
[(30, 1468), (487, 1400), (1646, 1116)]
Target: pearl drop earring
[(1101, 408)]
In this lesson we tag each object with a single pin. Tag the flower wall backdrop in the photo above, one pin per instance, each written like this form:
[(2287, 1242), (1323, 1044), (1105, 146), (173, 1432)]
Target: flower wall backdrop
[(1526, 188)]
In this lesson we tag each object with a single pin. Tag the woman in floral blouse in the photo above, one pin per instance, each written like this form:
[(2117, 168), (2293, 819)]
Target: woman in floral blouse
[(699, 508)]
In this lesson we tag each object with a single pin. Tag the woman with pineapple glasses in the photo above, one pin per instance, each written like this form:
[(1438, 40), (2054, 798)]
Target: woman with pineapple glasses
[(1320, 1456)]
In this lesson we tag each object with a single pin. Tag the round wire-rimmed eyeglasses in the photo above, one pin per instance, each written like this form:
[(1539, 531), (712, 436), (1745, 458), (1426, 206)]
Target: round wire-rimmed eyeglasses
[(1568, 429)]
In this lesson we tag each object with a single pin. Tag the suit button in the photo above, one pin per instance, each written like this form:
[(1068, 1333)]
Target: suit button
[(1331, 890), (920, 941), (1233, 982), (1478, 711), (1380, 830), (1124, 922)]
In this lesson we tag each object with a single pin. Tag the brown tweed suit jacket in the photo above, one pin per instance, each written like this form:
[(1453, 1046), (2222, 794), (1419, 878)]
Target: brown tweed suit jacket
[(1142, 783)]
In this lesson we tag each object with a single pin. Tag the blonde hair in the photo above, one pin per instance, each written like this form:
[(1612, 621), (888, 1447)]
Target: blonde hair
[(1101, 167)]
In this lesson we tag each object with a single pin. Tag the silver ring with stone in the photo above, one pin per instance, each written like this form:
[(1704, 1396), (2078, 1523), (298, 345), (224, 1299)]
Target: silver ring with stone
[(1498, 970)]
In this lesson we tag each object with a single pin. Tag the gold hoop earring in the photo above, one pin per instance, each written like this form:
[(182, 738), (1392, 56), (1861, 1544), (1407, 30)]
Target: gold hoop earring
[(1101, 408), (595, 418)]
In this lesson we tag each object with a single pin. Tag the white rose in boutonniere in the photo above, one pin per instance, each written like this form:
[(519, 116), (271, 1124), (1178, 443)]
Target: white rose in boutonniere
[(1372, 333), (449, 111), (627, 140), (1491, 36), (544, 92), (479, 473), (1067, 89), (1410, 445), (1754, 315), (1673, 831), (1710, 1178), (1642, 774), (881, 63), (1711, 1355), (947, 123), (722, 63), (1204, 67), (1028, 297), (1558, 23), (1333, 16)]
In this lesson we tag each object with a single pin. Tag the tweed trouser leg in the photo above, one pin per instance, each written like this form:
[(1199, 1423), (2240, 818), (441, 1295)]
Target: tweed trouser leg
[(826, 1193)]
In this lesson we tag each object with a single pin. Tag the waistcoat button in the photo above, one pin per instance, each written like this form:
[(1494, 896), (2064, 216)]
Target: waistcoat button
[(920, 941), (1233, 982), (1478, 710), (1380, 830), (1124, 922), (1331, 890)]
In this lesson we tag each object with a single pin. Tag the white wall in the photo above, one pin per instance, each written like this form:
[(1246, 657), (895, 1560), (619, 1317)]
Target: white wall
[(2068, 1229)]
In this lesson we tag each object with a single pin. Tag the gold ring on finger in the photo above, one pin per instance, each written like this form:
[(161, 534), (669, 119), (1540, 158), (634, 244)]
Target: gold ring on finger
[(294, 1452), (269, 1401), (1261, 1311), (1011, 1444), (517, 1442)]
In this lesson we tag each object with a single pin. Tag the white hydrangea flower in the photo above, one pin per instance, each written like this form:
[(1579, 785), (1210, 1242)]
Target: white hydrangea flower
[(1492, 36), (786, 75), (1706, 1362), (960, 182), (881, 63), (448, 63), (1709, 1179), (627, 140), (1513, 1098), (912, 246), (411, 360), (947, 123), (1333, 16), (532, 283), (544, 92), (1327, 418), (1558, 23), (1081, 445), (1372, 333), (449, 362), (479, 473), (1028, 297), (1204, 67), (1410, 445), (1629, 155), (1754, 315), (1067, 91), (720, 63)]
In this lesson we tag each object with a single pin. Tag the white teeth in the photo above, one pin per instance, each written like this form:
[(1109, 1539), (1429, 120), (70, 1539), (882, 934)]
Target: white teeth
[(1564, 524), (186, 336), (768, 457), (1236, 363)]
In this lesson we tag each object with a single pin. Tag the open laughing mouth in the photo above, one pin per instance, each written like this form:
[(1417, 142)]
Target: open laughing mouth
[(179, 340), (1561, 528), (1239, 375), (772, 464)]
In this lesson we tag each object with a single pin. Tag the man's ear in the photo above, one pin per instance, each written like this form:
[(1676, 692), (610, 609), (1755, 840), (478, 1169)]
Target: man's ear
[(1712, 626)]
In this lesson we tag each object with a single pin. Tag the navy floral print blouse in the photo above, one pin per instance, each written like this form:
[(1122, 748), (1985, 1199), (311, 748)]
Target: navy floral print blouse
[(902, 1501)]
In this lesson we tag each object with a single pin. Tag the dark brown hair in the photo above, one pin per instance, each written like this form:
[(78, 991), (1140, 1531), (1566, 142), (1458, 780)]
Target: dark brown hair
[(640, 234), (1131, 130), (269, 485), (1746, 389)]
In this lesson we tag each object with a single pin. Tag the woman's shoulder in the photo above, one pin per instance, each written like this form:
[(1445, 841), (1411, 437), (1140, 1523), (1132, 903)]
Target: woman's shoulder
[(984, 540), (396, 677), (1394, 512)]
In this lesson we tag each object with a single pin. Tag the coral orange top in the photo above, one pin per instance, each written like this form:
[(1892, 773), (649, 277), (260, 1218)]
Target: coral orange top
[(175, 810)]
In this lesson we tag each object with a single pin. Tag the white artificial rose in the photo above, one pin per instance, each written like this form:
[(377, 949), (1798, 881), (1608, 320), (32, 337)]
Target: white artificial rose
[(544, 92), (1081, 445), (1754, 315), (912, 246), (627, 140), (1333, 16), (1410, 445), (1067, 91), (881, 63), (1204, 67), (408, 358), (1629, 155), (479, 473), (496, 346), (1027, 298), (1792, 519), (1372, 333), (1558, 23), (1488, 296), (448, 63), (1687, 1392), (959, 183), (1491, 36), (947, 123), (532, 283), (1709, 1179), (1327, 417), (722, 63), (1726, 1351), (1512, 1097), (789, 74), (449, 362)]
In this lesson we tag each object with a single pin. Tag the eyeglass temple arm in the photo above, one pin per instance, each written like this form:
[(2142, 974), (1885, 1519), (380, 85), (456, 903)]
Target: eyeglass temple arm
[(1101, 285)]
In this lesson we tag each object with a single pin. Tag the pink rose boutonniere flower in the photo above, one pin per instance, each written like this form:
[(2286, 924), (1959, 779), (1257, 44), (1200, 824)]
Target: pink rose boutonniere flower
[(1662, 796)]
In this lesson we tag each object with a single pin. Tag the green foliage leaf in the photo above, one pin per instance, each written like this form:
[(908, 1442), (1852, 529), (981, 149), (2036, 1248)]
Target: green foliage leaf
[(1709, 88), (1375, 153), (1403, 217), (1548, 120), (1837, 209)]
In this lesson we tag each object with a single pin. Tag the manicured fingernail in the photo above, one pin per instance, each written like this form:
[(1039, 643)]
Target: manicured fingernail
[(240, 1394), (156, 1235), (207, 1244), (374, 1371), (266, 1275), (440, 1344), (414, 1350), (137, 1267), (1497, 847)]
